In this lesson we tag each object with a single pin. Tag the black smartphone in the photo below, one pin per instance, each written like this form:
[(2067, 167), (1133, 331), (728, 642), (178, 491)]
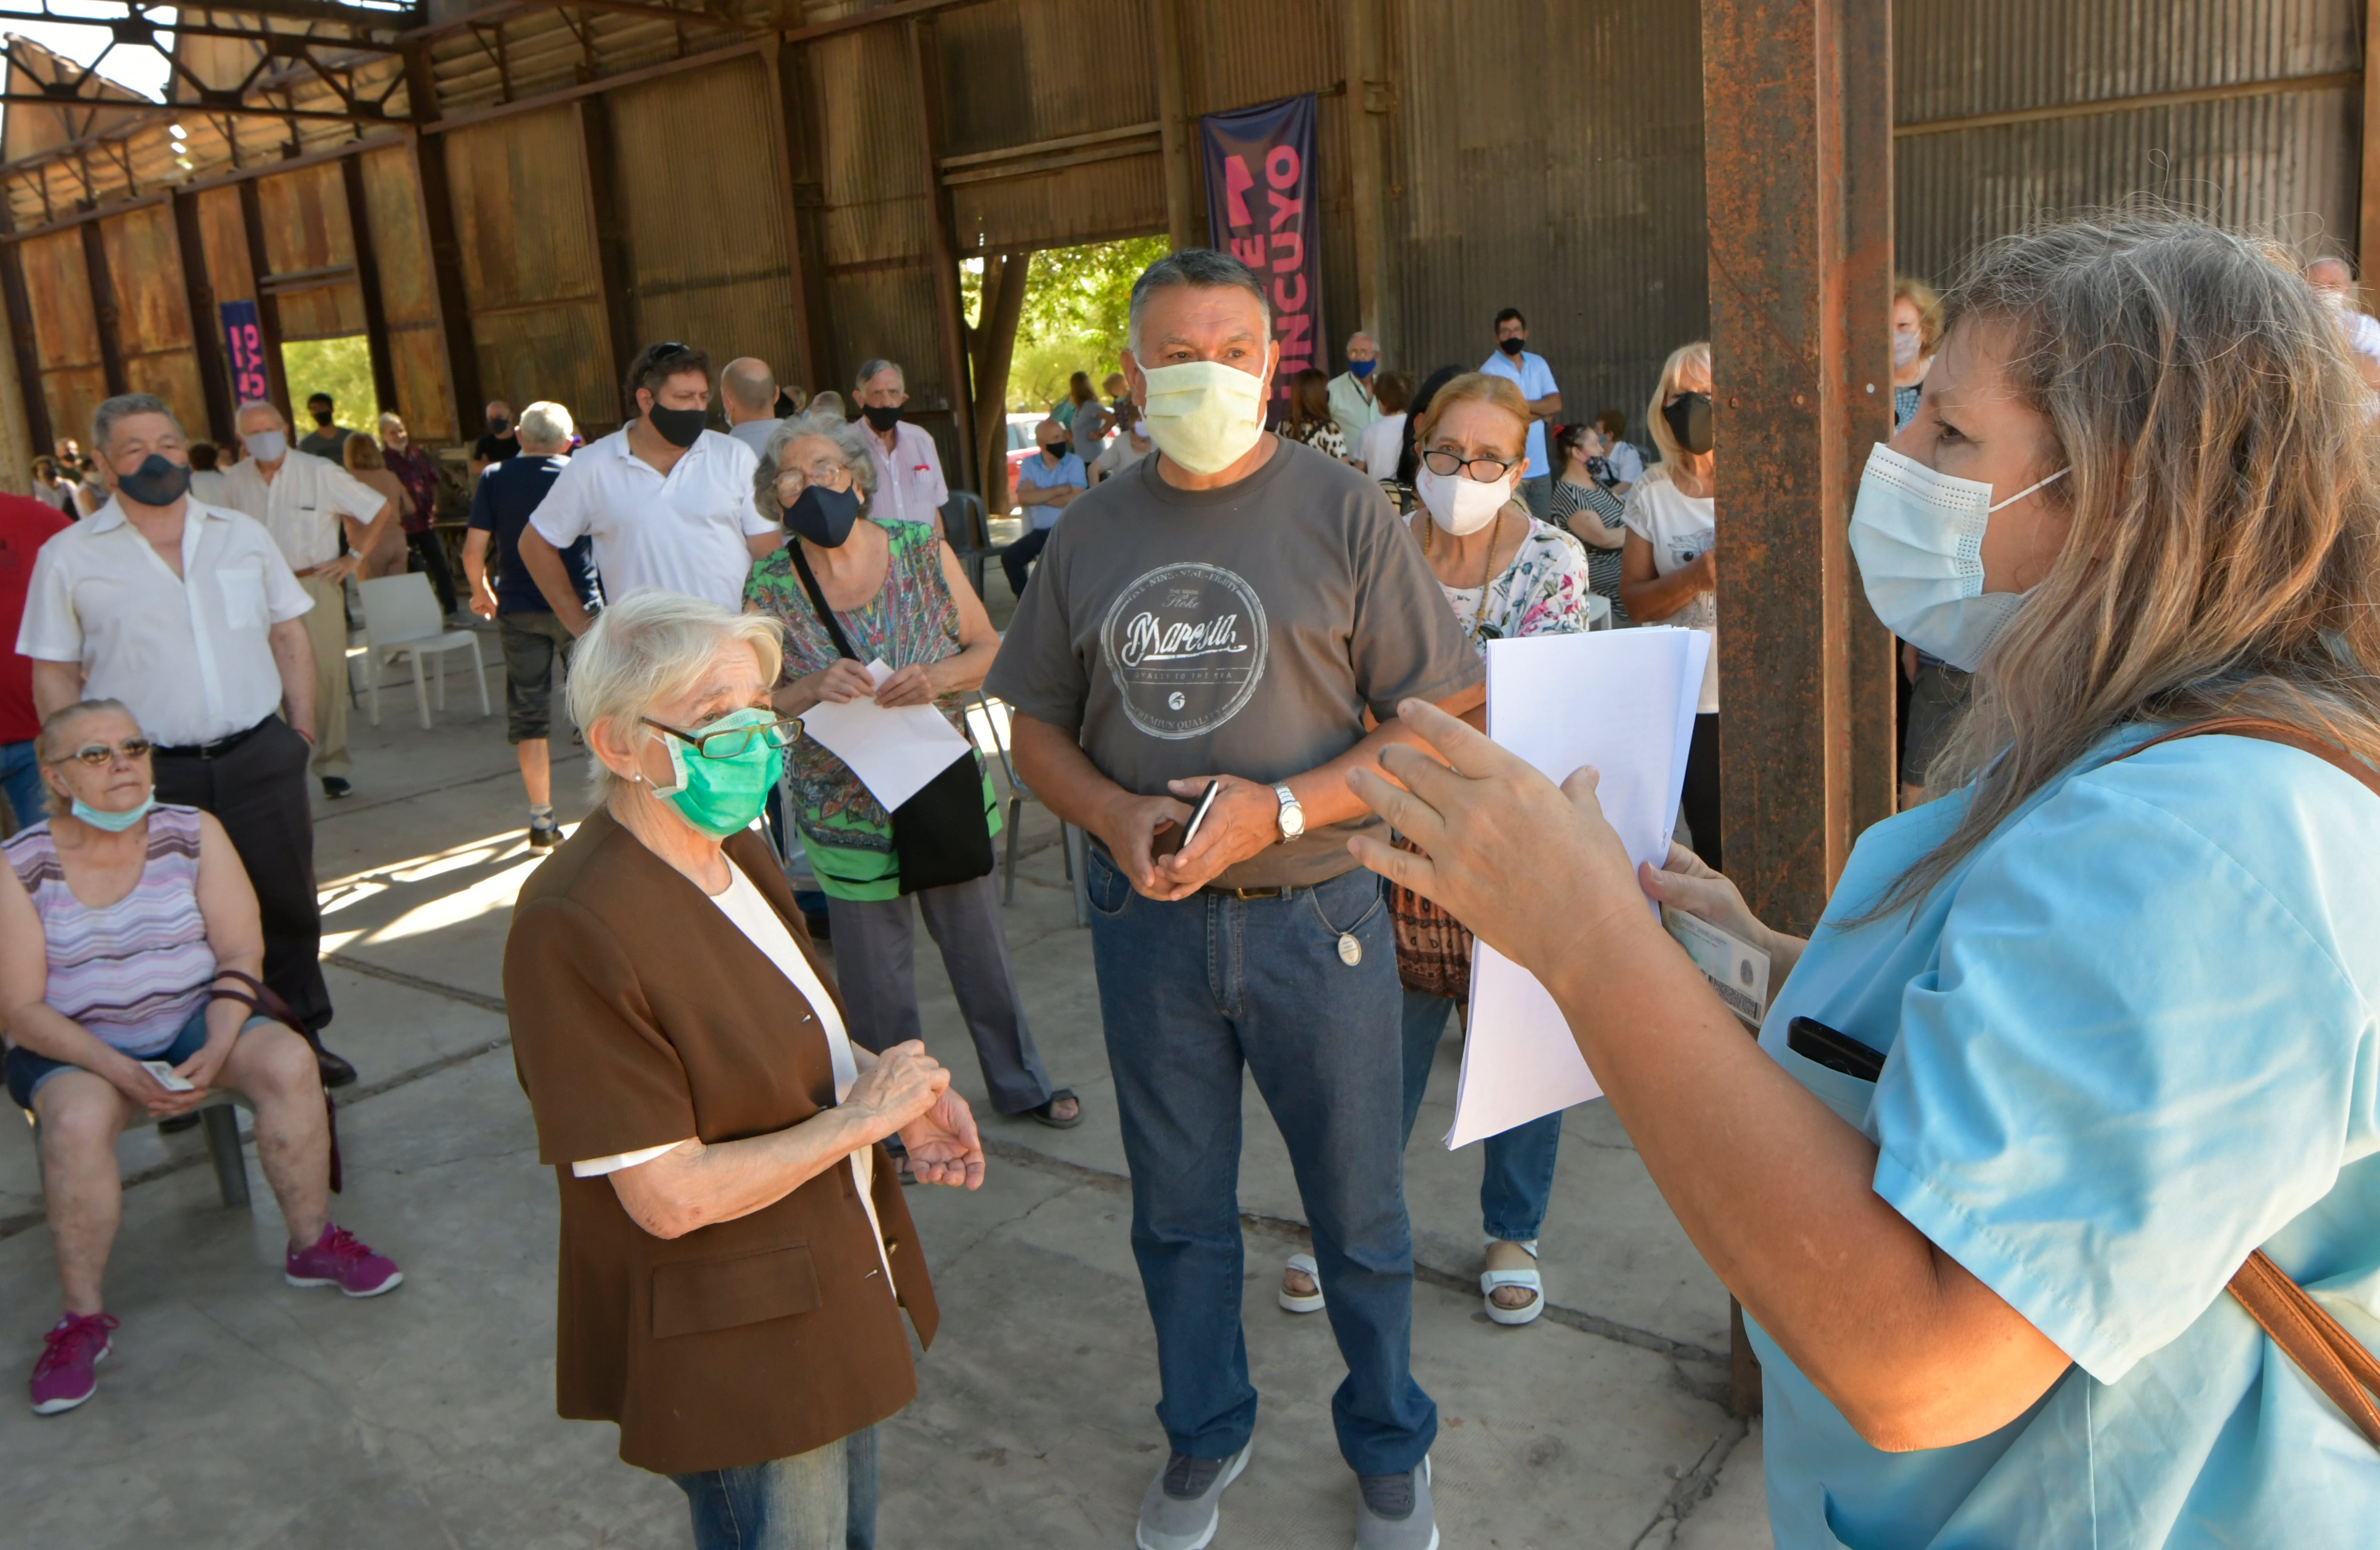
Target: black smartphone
[(1833, 1048), (1198, 816)]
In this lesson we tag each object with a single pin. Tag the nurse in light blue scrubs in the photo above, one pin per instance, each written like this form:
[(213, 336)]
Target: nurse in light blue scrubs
[(2125, 1001)]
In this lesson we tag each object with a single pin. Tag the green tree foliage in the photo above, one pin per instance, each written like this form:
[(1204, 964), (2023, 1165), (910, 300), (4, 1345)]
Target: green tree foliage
[(1076, 300), (341, 367)]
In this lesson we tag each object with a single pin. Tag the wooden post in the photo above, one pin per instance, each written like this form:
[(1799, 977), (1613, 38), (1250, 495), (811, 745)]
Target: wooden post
[(268, 304), (104, 311), (17, 447), (1175, 128), (383, 364), (40, 434), (803, 198), (601, 178), (807, 346), (445, 249), (950, 313), (1798, 155), (2368, 215), (1369, 99), (206, 324)]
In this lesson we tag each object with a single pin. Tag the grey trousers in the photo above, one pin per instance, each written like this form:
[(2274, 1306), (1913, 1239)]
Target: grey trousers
[(875, 963)]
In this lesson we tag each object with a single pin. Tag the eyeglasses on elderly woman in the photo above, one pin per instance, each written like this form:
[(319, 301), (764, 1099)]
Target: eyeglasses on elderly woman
[(135, 747), (730, 742)]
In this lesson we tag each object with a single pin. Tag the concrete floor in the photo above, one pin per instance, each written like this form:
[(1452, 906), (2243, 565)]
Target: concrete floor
[(237, 1411)]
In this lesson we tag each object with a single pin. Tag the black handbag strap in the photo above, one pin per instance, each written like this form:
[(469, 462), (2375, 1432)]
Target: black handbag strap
[(818, 602)]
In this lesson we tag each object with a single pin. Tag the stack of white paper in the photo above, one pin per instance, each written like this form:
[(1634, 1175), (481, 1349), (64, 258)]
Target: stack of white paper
[(1622, 701), (894, 752)]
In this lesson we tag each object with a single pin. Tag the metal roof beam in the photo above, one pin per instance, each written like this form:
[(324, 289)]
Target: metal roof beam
[(136, 29)]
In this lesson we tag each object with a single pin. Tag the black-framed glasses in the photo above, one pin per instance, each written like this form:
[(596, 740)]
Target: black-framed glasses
[(97, 754), (1486, 470), (734, 742)]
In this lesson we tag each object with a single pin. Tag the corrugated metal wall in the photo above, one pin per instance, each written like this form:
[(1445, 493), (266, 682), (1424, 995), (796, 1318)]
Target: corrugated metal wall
[(529, 274), (66, 330), (721, 278), (408, 288), (153, 308), (306, 235), (2284, 161), (1548, 156)]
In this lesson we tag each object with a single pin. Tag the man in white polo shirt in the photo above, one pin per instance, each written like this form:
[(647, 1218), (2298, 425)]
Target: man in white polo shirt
[(909, 485), (668, 504), (189, 614), (300, 498)]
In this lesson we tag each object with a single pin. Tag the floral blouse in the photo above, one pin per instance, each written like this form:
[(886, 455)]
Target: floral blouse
[(1542, 592), (912, 619)]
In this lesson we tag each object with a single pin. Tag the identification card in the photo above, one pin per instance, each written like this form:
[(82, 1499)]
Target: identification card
[(167, 1077), (1736, 969)]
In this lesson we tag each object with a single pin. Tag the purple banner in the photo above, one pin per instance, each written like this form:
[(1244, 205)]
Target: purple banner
[(1263, 204), (244, 344)]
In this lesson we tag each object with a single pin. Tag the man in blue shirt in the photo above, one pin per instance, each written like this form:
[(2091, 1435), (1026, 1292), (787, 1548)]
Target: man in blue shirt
[(1513, 362), (509, 492), (1047, 483)]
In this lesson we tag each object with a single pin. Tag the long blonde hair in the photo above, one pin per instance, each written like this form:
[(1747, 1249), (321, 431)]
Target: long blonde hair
[(2223, 556), (1696, 354)]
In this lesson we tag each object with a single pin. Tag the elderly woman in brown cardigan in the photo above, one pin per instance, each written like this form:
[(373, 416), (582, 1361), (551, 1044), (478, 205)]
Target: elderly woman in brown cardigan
[(734, 1242)]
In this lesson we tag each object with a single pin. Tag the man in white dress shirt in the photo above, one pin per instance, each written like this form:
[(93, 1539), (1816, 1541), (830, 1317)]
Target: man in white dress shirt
[(909, 484), (189, 614), (668, 504), (300, 498)]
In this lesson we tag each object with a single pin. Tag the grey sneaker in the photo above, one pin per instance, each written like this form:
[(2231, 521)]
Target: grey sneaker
[(1392, 1511), (1183, 1505)]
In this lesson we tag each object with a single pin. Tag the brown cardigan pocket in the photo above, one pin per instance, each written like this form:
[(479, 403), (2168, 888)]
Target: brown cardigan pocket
[(691, 1297)]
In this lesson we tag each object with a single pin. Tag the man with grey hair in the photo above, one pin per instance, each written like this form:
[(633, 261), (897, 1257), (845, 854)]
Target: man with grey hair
[(1353, 405), (300, 498), (532, 638), (1213, 626), (747, 396), (909, 484), (189, 615)]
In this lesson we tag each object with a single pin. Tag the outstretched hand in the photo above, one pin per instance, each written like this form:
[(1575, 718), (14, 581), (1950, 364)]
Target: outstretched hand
[(1531, 868), (942, 1144)]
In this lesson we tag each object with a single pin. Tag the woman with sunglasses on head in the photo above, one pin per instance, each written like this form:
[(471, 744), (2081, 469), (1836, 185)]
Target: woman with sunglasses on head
[(129, 955), (735, 1249), (1668, 565), (2080, 1070), (894, 592)]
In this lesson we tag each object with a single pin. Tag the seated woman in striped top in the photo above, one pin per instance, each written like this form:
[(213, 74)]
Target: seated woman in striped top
[(130, 945)]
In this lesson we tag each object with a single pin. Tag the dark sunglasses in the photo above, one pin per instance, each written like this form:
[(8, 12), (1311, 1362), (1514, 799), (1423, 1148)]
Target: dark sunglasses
[(97, 754)]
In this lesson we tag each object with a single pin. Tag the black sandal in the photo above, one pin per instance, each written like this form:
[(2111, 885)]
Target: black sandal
[(1045, 1115)]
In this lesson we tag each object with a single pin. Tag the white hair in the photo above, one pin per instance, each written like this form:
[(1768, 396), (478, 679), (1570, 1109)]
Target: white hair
[(868, 372), (650, 646), (843, 433), (241, 413), (546, 423)]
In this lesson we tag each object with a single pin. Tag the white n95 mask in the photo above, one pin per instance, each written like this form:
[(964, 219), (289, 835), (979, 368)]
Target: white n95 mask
[(1919, 538), (1459, 504), (1203, 414)]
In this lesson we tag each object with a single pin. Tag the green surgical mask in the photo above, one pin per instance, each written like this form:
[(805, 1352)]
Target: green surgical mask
[(719, 796), (1203, 414)]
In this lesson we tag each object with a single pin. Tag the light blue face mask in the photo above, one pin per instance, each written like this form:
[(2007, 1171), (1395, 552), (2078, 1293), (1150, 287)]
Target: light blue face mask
[(1919, 538), (114, 823)]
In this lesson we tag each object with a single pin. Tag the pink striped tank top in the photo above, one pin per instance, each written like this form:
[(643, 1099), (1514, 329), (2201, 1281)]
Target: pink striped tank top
[(133, 973)]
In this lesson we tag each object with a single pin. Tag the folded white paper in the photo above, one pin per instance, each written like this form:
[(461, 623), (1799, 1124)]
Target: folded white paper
[(1622, 701), (894, 752)]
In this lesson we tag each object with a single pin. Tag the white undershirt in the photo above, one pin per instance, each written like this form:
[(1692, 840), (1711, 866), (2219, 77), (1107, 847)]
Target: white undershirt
[(744, 904)]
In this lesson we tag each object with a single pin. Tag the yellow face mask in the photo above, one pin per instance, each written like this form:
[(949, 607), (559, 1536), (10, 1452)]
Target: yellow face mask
[(1203, 414)]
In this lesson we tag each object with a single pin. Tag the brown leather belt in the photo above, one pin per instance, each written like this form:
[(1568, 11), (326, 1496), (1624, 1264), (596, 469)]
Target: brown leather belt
[(1278, 893)]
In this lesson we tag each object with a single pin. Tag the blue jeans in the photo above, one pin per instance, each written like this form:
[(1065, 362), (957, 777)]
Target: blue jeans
[(1190, 992), (824, 1499), (20, 778), (1517, 1177)]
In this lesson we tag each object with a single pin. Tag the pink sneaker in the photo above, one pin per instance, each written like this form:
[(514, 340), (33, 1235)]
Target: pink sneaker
[(68, 1373), (338, 1260)]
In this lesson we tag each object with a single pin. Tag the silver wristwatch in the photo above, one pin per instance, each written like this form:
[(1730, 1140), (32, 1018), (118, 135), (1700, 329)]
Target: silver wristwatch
[(1292, 817)]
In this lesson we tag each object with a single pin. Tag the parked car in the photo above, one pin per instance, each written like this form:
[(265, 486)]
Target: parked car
[(1021, 444)]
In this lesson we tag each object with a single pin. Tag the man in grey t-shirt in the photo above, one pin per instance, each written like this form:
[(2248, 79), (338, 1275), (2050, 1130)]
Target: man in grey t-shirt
[(1227, 612)]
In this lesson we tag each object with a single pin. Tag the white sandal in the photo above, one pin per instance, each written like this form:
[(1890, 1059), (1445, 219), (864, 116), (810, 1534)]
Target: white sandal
[(1529, 1279), (1310, 1304)]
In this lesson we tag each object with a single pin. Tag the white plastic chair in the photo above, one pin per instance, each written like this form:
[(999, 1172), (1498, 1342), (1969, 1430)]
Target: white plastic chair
[(401, 619)]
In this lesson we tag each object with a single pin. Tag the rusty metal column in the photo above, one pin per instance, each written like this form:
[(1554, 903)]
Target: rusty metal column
[(2368, 215), (206, 322), (383, 364), (1175, 128), (461, 348), (950, 314), (1797, 152), (108, 316), (268, 304)]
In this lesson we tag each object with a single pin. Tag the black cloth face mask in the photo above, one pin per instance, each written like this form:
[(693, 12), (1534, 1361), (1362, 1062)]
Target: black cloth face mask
[(157, 482), (679, 428), (321, 417), (823, 517), (497, 425), (881, 418), (1690, 421), (1511, 347)]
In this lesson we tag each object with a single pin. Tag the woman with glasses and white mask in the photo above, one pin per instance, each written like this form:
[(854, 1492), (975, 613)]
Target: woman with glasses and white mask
[(735, 1249), (892, 592), (1505, 574), (129, 954), (1916, 330), (1668, 565)]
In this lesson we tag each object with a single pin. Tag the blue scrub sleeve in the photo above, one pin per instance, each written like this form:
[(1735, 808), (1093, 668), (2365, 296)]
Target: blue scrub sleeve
[(2129, 1070)]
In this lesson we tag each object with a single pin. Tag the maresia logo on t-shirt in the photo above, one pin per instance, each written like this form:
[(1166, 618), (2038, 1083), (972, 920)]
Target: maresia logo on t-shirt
[(1185, 644)]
